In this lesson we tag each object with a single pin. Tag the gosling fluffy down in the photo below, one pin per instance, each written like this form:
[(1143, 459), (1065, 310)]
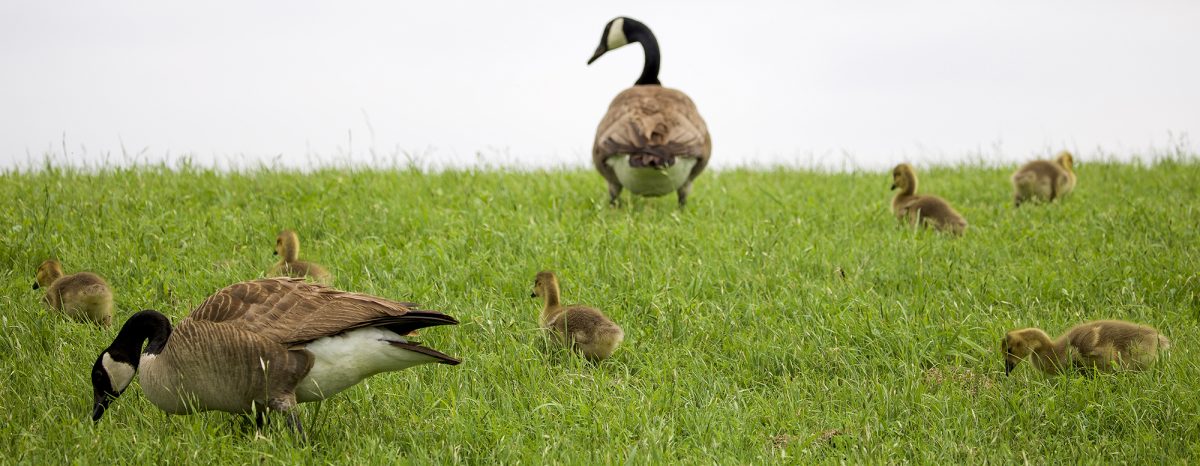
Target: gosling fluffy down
[(1043, 180), (913, 209), (582, 328), (287, 246), (1101, 345), (83, 296)]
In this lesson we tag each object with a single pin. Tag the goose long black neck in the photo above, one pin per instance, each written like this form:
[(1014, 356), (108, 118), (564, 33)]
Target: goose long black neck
[(148, 325), (638, 32)]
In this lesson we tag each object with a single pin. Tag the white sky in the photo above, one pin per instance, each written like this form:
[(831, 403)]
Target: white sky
[(778, 82)]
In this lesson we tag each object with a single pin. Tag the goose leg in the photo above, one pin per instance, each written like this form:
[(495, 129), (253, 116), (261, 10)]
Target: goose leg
[(682, 193), (287, 405), (293, 422), (614, 194)]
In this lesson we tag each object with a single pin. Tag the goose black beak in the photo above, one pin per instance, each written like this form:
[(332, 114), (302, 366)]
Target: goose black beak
[(36, 285), (599, 51), (98, 411), (1008, 367)]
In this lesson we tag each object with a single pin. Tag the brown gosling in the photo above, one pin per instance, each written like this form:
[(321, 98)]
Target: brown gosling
[(913, 209), (287, 245), (1100, 345), (583, 328), (1044, 180), (82, 296)]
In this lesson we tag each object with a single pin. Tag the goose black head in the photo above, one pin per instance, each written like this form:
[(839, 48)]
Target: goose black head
[(613, 37), (110, 376), (114, 368), (620, 32)]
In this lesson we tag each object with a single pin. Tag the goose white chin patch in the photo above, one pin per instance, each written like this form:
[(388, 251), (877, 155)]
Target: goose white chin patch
[(616, 34), (119, 373)]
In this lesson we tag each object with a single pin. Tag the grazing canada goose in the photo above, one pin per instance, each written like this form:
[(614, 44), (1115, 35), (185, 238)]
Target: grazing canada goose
[(287, 245), (82, 296), (913, 209), (580, 327), (1044, 180), (652, 140), (1104, 345), (263, 344)]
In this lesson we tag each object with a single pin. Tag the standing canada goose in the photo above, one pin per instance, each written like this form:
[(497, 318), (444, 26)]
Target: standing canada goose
[(263, 344), (585, 329), (1104, 345), (82, 296), (1044, 180), (287, 245), (928, 209), (652, 140)]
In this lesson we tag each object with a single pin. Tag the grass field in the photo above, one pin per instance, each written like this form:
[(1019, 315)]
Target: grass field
[(743, 343)]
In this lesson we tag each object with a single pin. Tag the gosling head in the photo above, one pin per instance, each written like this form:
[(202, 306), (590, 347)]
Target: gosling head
[(543, 284), (1019, 344), (1065, 160), (47, 273), (287, 244), (904, 178)]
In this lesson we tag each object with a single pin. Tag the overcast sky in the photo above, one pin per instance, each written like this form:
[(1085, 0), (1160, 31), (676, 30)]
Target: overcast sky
[(778, 82)]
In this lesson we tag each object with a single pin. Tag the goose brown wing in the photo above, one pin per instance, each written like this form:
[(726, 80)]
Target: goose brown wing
[(652, 120), (291, 311)]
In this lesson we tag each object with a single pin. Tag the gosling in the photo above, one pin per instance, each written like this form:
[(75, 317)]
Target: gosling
[(287, 244), (1044, 180), (1101, 345), (924, 210), (83, 296), (582, 328)]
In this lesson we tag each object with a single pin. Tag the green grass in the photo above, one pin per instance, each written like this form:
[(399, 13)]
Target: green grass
[(742, 343)]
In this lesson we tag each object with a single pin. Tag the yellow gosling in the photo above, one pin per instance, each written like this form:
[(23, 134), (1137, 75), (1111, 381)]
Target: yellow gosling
[(83, 296), (287, 246), (582, 328), (1043, 180), (1101, 345), (924, 210)]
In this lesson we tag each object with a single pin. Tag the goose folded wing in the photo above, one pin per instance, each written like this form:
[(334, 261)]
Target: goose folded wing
[(292, 311), (652, 120)]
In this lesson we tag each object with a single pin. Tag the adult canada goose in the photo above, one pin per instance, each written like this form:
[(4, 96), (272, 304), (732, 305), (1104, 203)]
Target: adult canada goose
[(927, 209), (652, 140), (287, 246), (1044, 180), (1104, 345), (82, 296), (582, 328), (263, 344)]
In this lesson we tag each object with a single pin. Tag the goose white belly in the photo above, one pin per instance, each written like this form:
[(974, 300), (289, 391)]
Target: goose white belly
[(649, 181), (343, 360)]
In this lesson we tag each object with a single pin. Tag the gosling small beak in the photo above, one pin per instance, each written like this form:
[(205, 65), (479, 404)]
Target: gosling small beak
[(532, 295), (599, 51), (1008, 366), (36, 285), (893, 188), (276, 253)]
